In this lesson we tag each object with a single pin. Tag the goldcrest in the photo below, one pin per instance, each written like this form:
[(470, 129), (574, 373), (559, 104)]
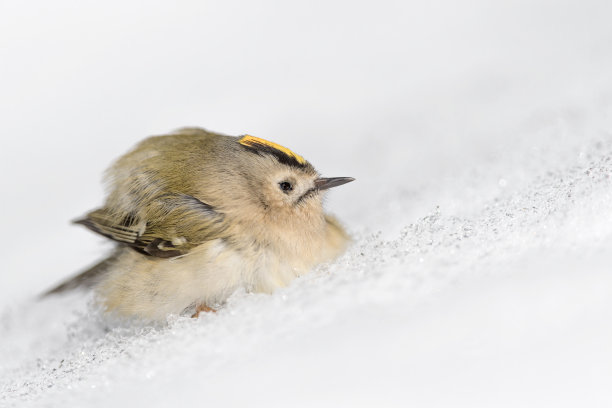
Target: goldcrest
[(197, 215)]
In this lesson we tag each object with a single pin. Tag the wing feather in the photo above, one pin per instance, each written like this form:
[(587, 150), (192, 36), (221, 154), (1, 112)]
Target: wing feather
[(176, 223)]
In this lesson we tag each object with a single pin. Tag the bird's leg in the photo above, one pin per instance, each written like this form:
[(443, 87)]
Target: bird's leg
[(202, 308)]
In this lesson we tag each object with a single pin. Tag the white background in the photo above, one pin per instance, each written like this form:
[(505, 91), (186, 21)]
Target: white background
[(480, 134)]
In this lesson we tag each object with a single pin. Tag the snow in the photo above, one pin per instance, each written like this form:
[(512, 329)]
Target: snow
[(480, 136)]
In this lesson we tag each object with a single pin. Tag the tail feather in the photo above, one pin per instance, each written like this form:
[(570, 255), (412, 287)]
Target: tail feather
[(85, 279)]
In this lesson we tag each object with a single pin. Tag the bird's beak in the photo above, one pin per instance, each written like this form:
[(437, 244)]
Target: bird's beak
[(325, 183)]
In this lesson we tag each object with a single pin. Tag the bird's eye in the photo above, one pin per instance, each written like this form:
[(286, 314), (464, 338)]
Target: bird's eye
[(285, 186)]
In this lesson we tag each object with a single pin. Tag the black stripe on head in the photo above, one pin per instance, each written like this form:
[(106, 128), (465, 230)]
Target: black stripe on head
[(282, 154)]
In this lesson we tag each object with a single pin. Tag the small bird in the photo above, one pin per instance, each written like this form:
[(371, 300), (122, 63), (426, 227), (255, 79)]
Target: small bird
[(197, 215)]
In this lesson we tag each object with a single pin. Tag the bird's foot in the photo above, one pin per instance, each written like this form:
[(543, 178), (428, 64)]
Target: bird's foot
[(202, 308)]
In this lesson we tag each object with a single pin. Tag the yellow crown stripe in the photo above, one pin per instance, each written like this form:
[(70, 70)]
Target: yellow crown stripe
[(253, 141)]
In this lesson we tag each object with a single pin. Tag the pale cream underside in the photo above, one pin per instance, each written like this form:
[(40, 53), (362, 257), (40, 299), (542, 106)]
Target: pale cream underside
[(151, 288)]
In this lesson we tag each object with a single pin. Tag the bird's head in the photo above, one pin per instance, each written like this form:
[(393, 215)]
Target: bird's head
[(284, 183)]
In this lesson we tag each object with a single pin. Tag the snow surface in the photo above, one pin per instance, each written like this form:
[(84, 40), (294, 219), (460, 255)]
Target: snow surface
[(480, 135)]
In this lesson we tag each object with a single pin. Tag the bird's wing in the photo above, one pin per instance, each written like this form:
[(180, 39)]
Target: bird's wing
[(176, 223)]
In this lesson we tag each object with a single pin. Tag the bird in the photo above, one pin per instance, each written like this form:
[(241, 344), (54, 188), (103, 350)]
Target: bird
[(196, 215)]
